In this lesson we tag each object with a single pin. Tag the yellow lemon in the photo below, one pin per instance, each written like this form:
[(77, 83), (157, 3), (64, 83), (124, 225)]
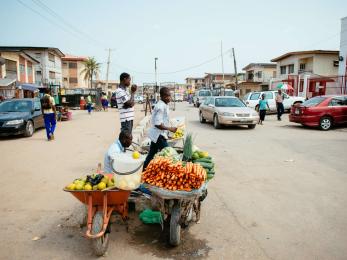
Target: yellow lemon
[(110, 184), (88, 187), (79, 186), (104, 180), (101, 185), (95, 187), (136, 155), (71, 186)]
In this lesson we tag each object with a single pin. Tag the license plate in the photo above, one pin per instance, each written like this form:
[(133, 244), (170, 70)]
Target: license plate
[(297, 111)]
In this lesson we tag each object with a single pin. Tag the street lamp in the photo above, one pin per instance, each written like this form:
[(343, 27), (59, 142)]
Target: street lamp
[(155, 73)]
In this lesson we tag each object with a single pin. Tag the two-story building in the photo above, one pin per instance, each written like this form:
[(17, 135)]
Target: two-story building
[(220, 79), (72, 71), (260, 72), (112, 85), (195, 83), (16, 73)]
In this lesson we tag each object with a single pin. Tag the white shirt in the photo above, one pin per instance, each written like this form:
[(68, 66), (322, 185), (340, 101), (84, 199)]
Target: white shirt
[(113, 150), (49, 111), (160, 115), (125, 114)]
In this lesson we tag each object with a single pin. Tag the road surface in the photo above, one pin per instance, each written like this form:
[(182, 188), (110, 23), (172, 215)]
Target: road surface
[(279, 193)]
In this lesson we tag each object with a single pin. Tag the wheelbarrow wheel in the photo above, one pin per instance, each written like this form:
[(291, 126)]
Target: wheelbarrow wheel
[(99, 244), (175, 227)]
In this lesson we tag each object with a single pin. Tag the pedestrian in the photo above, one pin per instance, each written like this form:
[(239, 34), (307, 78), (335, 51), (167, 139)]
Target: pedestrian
[(263, 106), (49, 114), (126, 102), (89, 104), (279, 105), (160, 125), (124, 141), (104, 102)]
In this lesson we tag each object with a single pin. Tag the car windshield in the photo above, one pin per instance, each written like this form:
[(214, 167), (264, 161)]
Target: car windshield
[(229, 93), (313, 101), (205, 93), (16, 106), (229, 102)]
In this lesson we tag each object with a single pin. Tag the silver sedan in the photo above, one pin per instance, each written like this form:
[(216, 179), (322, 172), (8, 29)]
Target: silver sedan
[(227, 111)]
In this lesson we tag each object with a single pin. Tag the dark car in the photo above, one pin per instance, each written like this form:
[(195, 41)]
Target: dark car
[(322, 111), (20, 116), (114, 100)]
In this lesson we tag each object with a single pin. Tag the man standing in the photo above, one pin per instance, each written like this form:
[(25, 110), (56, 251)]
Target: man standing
[(160, 125), (49, 114), (279, 105), (126, 102), (124, 141), (89, 104)]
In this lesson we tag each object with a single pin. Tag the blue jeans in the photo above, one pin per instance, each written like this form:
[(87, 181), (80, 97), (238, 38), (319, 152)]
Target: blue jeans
[(154, 148), (89, 108), (280, 110), (50, 124)]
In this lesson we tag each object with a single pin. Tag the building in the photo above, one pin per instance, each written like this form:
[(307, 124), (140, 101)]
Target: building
[(112, 85), (72, 67), (343, 48), (215, 79), (260, 72), (316, 62), (195, 83), (16, 69), (48, 70)]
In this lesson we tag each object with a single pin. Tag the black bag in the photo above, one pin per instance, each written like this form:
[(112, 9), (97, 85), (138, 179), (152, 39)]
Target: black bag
[(46, 102)]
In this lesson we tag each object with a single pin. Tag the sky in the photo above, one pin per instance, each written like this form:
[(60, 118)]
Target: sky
[(185, 36)]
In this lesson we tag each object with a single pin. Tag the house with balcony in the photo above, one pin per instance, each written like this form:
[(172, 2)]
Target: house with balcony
[(220, 79), (72, 67), (195, 83), (17, 74)]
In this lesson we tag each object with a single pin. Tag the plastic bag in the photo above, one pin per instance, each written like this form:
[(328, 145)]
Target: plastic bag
[(149, 216)]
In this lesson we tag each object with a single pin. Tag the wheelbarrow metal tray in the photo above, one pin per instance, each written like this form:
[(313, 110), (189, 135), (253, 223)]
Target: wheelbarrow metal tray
[(114, 197)]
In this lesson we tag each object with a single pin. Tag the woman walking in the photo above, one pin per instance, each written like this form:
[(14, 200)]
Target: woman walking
[(263, 106)]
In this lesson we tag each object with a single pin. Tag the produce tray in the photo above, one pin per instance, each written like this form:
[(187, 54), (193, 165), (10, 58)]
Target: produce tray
[(178, 194)]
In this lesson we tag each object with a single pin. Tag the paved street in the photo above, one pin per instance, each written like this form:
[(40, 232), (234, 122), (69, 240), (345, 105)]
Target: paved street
[(279, 193)]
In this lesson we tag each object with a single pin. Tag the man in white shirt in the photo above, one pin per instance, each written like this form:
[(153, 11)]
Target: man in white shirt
[(126, 102), (124, 141), (160, 125)]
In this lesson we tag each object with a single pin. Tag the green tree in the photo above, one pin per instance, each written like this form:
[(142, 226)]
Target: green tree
[(92, 68)]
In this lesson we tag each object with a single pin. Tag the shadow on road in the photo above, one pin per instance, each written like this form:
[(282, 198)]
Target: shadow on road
[(209, 126)]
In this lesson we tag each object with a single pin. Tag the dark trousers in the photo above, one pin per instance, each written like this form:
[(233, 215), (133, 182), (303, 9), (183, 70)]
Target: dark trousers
[(127, 126), (50, 124), (262, 114), (280, 110), (89, 108), (154, 148)]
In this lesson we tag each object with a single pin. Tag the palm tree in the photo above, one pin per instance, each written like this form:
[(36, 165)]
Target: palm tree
[(91, 68)]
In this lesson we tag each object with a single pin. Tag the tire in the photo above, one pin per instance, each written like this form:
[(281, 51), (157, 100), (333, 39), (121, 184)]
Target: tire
[(100, 244), (325, 123), (175, 227), (201, 118), (216, 122), (29, 129), (251, 126)]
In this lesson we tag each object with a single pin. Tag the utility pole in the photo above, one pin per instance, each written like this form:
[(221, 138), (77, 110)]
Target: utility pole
[(156, 76), (221, 55), (108, 68), (235, 68)]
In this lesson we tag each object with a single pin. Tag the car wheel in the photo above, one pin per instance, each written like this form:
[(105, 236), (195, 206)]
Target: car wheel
[(29, 129), (216, 122), (325, 123), (202, 119), (251, 126)]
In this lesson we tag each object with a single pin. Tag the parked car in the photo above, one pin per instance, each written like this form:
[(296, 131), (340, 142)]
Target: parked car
[(227, 111), (252, 99), (322, 111), (200, 96), (20, 116), (114, 100), (139, 99), (178, 97)]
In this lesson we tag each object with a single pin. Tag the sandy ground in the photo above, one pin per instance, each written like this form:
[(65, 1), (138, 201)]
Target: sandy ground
[(279, 193)]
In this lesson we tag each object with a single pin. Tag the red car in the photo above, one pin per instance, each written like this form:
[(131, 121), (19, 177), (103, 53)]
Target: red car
[(322, 111)]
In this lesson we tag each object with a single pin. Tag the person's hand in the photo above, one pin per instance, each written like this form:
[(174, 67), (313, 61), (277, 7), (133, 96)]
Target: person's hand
[(133, 88), (173, 129)]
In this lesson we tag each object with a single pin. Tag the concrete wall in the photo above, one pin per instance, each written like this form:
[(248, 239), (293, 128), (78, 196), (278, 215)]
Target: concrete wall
[(74, 73), (323, 64), (343, 47), (14, 56)]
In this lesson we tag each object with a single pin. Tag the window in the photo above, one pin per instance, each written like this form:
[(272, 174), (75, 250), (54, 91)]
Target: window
[(65, 79), (64, 64), (259, 74), (313, 101), (335, 102), (302, 66), (204, 93), (21, 68), (37, 105), (255, 96), (29, 70), (52, 75), (38, 55), (38, 73), (283, 70), (247, 95), (51, 57), (336, 63), (268, 95), (290, 68), (207, 101), (72, 65), (73, 80), (229, 102)]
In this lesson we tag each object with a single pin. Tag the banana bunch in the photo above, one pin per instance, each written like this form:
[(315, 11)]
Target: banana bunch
[(178, 134)]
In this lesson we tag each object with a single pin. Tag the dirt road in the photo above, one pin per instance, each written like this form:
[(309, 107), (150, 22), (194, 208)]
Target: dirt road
[(279, 193)]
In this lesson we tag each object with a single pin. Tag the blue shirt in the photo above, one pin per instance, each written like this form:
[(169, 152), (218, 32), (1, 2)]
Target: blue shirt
[(113, 150), (263, 104), (160, 115)]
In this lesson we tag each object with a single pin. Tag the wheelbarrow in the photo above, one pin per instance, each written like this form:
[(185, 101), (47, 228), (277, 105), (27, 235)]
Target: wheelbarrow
[(101, 205), (177, 208)]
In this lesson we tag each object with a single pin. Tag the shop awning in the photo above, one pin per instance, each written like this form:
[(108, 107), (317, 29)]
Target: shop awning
[(29, 87)]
